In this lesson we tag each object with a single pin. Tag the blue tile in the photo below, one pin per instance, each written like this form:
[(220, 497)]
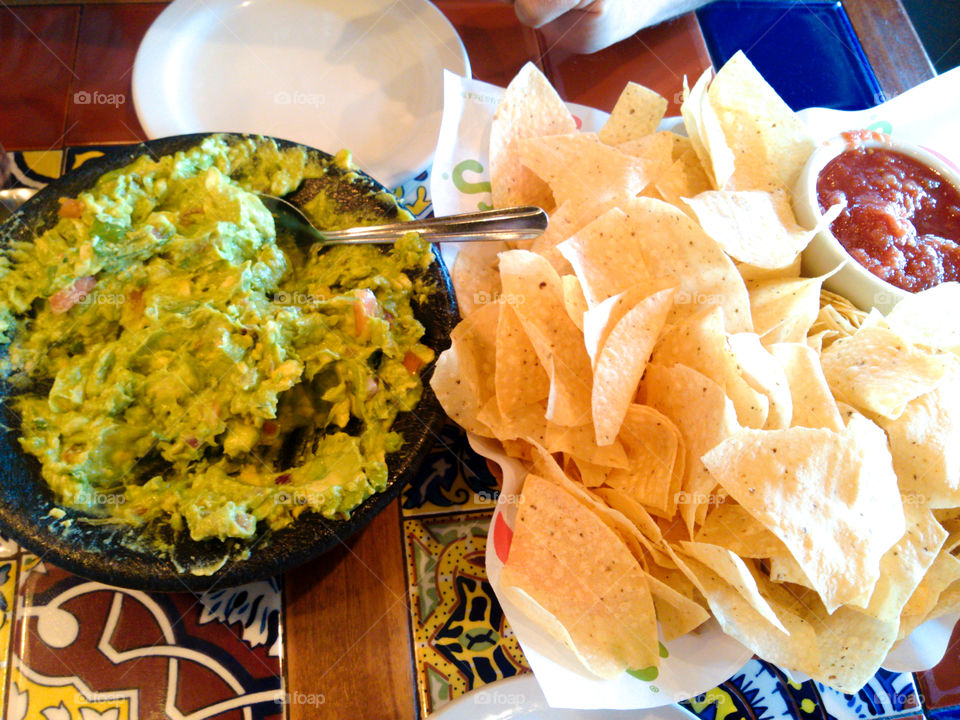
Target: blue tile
[(762, 691), (807, 51), (952, 713)]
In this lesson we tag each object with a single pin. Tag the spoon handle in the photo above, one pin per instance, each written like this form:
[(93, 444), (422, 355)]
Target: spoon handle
[(519, 223)]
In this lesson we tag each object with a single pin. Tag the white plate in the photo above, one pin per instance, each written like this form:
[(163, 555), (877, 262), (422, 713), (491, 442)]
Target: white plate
[(520, 697), (359, 74)]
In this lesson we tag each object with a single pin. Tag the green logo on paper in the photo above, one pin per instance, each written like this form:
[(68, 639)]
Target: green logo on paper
[(881, 126), (467, 187), (651, 673)]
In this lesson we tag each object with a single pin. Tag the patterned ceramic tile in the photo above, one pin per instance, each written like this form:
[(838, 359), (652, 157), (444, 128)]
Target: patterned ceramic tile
[(84, 651), (77, 156), (952, 713), (8, 586), (453, 478), (33, 168), (414, 194), (461, 638), (761, 691)]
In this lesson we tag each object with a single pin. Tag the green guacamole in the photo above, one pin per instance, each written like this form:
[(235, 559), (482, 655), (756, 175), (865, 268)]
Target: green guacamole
[(175, 352)]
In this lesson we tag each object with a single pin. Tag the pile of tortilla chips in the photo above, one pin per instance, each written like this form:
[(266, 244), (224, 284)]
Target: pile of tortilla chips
[(702, 436)]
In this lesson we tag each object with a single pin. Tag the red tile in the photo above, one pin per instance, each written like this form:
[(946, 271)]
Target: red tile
[(497, 44), (36, 62), (100, 106), (174, 654), (940, 687), (657, 57)]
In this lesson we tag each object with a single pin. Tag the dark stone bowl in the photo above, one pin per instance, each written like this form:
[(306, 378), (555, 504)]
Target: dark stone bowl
[(108, 553)]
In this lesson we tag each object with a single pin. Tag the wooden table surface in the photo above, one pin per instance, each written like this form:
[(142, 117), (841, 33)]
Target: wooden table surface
[(346, 627)]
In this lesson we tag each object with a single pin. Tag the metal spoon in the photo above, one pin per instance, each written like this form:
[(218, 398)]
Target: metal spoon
[(519, 223)]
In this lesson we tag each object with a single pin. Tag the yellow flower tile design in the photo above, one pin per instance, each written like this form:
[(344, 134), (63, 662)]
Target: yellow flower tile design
[(461, 638)]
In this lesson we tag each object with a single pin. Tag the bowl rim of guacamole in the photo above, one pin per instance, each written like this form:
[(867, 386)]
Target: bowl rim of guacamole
[(99, 552)]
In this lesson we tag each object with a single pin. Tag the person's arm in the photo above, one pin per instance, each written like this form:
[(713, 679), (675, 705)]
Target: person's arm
[(586, 26)]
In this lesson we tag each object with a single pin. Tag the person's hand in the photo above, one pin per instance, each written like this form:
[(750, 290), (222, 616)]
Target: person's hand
[(585, 26)]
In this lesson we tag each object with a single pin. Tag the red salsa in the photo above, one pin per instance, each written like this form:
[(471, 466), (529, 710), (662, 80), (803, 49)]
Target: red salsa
[(902, 219)]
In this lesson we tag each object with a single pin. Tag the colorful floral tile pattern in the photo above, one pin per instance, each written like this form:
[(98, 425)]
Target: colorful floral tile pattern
[(81, 650), (461, 639)]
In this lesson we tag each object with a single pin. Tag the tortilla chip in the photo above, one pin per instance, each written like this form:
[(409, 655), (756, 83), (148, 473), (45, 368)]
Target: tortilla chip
[(919, 318), (784, 310), (656, 152), (705, 132), (578, 164), (785, 569), (686, 258), (813, 405), (704, 416), (598, 322), (764, 374), (770, 142), (652, 444), (546, 465), (752, 272), (751, 226), (594, 588), (591, 474), (476, 276), (526, 423), (729, 525), (684, 178), (676, 613), (574, 300), (944, 571), (579, 442), (622, 360), (843, 649), (558, 342), (463, 378), (637, 113), (904, 565), (835, 504), (607, 257), (732, 569), (925, 443), (520, 379), (700, 343), (879, 372), (530, 107)]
